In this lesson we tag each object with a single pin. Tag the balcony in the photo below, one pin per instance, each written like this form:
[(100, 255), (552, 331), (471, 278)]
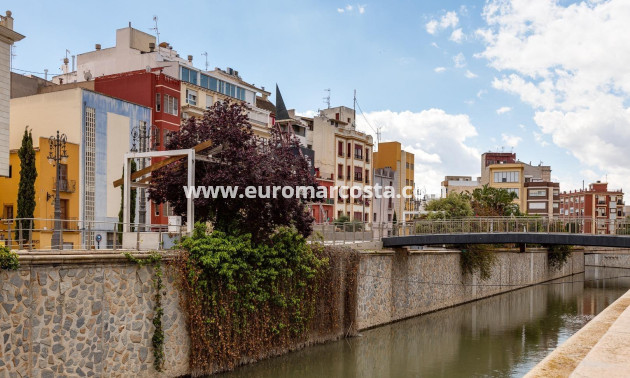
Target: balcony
[(65, 186), (358, 178), (358, 156), (340, 177)]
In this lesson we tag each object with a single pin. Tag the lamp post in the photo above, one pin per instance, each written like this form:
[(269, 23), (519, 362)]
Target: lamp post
[(57, 154)]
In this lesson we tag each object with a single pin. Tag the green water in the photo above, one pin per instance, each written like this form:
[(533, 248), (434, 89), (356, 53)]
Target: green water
[(502, 336)]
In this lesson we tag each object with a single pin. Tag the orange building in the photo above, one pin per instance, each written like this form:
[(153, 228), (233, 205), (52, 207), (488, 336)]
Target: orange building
[(391, 154), (44, 197)]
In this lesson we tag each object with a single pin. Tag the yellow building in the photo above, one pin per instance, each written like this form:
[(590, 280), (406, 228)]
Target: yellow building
[(391, 154), (44, 196), (510, 176)]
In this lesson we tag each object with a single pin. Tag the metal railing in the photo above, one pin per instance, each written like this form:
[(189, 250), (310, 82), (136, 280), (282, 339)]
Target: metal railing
[(36, 234), (579, 225)]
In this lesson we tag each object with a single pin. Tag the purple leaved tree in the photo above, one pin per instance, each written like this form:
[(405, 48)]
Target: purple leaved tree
[(244, 161)]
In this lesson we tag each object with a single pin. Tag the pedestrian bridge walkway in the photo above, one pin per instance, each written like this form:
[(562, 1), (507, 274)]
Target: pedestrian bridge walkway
[(513, 230)]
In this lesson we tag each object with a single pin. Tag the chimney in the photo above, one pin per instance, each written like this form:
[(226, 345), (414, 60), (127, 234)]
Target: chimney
[(151, 46), (97, 47), (190, 58)]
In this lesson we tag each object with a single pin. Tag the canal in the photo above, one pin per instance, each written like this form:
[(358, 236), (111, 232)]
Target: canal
[(501, 336)]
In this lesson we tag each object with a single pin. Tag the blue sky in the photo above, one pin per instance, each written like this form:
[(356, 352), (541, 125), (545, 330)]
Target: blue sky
[(448, 79)]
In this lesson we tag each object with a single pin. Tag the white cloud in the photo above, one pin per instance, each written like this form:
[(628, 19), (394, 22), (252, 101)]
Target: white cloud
[(459, 60), (470, 75), (361, 8), (570, 63), (503, 110), (481, 93), (511, 140), (340, 10), (307, 113), (435, 45), (348, 7), (449, 20), (439, 141), (439, 69), (457, 36), (521, 126), (538, 137)]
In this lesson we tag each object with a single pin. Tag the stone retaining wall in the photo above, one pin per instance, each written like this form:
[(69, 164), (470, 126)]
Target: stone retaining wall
[(402, 284), (86, 319), (612, 260)]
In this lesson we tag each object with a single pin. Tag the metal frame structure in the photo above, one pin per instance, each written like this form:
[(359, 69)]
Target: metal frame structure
[(128, 183)]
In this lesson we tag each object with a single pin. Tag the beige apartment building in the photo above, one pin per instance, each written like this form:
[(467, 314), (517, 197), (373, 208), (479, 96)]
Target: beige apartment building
[(345, 155), (458, 184)]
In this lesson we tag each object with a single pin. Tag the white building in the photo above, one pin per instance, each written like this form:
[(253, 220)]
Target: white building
[(7, 38), (136, 50)]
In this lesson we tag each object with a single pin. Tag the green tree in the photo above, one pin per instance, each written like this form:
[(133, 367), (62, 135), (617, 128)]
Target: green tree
[(488, 201), (394, 219), (132, 203), (26, 189), (455, 205)]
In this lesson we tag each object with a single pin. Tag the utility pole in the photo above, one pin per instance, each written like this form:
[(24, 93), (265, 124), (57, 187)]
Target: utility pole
[(205, 53), (327, 98), (354, 111), (57, 155)]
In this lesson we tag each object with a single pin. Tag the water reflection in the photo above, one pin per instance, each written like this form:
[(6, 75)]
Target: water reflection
[(502, 336)]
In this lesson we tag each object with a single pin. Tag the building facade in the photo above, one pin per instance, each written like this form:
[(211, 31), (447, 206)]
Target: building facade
[(159, 92), (543, 198), (458, 184), (391, 154), (597, 207), (45, 185), (344, 153), (7, 37), (101, 126), (384, 207), (199, 89)]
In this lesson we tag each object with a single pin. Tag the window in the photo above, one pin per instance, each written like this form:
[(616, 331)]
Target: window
[(166, 137), (537, 205), (367, 176), (349, 149), (170, 105), (189, 75), (157, 209), (538, 192), (513, 190), (407, 165), (10, 171), (191, 97), (158, 104), (512, 176), (340, 171), (358, 174), (367, 155), (556, 205), (203, 81), (358, 152), (348, 173), (8, 212)]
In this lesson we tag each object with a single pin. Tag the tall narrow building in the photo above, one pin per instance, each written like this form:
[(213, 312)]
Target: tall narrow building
[(391, 155), (7, 37)]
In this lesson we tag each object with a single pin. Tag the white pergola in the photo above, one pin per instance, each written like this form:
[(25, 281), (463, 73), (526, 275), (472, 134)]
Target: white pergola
[(129, 183)]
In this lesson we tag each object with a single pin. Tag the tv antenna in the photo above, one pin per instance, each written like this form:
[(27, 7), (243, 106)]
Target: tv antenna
[(205, 53), (327, 98), (156, 30)]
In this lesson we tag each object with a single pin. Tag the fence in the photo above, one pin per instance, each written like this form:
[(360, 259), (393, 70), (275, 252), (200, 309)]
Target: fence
[(37, 234)]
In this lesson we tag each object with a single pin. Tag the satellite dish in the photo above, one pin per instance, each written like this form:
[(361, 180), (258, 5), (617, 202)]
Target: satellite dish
[(87, 75)]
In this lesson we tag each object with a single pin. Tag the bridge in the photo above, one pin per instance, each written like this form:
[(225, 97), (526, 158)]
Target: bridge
[(593, 232)]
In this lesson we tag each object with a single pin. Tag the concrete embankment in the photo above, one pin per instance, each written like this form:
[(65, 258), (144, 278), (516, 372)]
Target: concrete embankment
[(405, 283), (74, 314), (600, 349)]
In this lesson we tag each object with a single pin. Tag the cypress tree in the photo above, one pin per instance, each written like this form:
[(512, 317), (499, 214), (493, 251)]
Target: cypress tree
[(26, 188)]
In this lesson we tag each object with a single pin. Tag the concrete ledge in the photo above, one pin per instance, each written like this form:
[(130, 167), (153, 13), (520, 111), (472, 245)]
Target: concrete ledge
[(565, 359), (71, 257), (610, 357)]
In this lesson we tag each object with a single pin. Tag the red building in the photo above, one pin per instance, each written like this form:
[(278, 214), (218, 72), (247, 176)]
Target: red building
[(159, 92), (323, 212), (597, 205)]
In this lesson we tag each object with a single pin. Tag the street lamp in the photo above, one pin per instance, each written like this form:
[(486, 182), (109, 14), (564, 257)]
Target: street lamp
[(57, 155)]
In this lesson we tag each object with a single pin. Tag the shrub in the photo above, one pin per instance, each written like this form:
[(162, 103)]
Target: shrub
[(8, 259), (558, 255), (478, 258)]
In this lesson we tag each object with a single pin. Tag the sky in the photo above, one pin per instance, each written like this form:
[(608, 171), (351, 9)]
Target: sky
[(548, 80)]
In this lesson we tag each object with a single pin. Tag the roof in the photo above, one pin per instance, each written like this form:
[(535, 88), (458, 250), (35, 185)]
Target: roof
[(265, 104)]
